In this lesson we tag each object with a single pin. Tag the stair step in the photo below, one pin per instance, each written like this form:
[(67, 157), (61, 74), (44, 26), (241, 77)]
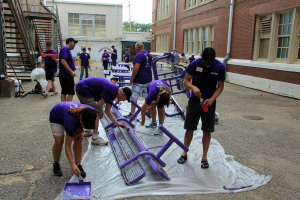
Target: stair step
[(11, 27), (15, 47), (11, 21), (12, 33), (21, 64), (14, 43), (13, 38), (8, 14)]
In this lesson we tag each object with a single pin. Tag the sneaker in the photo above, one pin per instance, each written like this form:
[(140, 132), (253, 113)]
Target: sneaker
[(88, 133), (204, 164), (54, 94), (99, 141), (152, 124), (182, 159), (45, 95), (56, 169), (127, 116), (82, 172), (158, 132)]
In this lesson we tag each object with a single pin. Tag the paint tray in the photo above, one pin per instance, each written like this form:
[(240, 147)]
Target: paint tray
[(77, 190)]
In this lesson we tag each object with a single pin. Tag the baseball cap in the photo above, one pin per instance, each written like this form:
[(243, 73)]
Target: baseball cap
[(88, 118), (174, 49), (83, 49), (127, 92), (114, 78), (163, 100), (208, 56), (49, 44), (70, 40)]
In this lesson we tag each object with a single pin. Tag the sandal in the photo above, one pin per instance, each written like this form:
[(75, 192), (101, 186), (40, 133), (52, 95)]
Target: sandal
[(182, 159), (204, 163)]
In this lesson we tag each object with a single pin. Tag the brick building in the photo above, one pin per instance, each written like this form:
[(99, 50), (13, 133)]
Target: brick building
[(264, 49)]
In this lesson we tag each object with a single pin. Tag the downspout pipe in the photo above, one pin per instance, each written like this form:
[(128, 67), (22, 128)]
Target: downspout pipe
[(229, 34), (175, 19)]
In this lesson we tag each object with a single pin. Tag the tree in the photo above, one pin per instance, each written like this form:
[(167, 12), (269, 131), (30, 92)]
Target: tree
[(136, 27)]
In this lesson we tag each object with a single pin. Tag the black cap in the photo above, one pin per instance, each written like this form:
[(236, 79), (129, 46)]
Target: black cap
[(208, 56), (49, 44), (112, 46), (127, 92), (114, 78), (83, 49), (163, 100), (88, 118), (70, 40)]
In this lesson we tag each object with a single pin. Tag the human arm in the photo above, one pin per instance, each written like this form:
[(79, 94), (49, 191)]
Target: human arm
[(135, 71), (68, 143), (65, 65), (55, 59), (41, 63), (209, 102), (111, 117), (187, 83), (100, 104)]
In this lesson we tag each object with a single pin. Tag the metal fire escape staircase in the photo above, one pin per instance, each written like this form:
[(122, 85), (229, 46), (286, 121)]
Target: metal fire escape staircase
[(20, 53)]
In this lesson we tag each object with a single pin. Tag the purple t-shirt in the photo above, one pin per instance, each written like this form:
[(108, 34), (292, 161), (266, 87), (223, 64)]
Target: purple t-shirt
[(144, 74), (114, 56), (65, 52), (97, 88), (206, 78), (50, 64), (105, 55), (153, 90), (85, 59), (59, 115), (127, 57)]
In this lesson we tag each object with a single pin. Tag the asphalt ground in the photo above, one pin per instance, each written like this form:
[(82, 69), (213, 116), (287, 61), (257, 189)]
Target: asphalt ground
[(269, 146)]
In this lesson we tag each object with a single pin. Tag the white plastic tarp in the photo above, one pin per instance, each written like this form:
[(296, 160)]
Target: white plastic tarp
[(102, 168)]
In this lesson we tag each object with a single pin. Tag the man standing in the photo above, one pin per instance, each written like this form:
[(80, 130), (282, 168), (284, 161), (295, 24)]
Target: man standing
[(207, 73), (141, 74), (89, 52), (176, 57), (50, 69), (126, 56), (105, 59), (67, 70), (97, 91), (114, 56)]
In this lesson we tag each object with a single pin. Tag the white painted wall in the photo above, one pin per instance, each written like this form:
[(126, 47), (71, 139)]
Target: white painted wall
[(275, 87)]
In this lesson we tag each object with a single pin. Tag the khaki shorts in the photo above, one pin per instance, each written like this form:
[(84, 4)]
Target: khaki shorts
[(57, 129), (139, 90)]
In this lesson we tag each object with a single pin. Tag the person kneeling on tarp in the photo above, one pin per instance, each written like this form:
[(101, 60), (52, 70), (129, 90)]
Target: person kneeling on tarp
[(97, 91), (159, 95), (70, 117)]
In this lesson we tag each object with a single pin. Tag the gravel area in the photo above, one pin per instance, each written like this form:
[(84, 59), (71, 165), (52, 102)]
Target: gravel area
[(269, 146)]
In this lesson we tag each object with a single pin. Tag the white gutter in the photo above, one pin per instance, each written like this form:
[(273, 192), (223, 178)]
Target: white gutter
[(175, 19), (116, 24), (229, 33)]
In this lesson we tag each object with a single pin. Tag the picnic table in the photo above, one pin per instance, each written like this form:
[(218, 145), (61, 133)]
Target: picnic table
[(119, 69)]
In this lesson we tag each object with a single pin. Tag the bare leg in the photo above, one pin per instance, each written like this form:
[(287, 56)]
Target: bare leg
[(205, 143), (95, 131), (54, 86), (161, 115), (63, 97), (77, 148), (48, 86), (57, 147), (70, 97), (153, 114), (133, 107), (187, 139)]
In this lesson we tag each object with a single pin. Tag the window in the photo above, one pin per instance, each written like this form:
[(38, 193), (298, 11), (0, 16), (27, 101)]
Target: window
[(197, 38), (190, 4), (163, 9), (86, 25), (162, 43), (277, 37)]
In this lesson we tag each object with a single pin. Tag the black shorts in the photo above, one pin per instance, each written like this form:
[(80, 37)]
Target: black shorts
[(67, 84), (194, 112), (50, 76)]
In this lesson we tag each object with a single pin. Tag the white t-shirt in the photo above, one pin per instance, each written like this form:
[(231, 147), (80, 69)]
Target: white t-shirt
[(88, 52)]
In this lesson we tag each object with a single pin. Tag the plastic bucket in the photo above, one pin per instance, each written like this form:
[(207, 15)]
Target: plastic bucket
[(17, 85)]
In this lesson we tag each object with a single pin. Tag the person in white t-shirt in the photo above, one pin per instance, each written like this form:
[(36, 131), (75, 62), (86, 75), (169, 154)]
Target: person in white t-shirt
[(89, 52), (184, 58)]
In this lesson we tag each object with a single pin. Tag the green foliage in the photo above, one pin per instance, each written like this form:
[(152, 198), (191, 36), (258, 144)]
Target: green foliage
[(136, 27)]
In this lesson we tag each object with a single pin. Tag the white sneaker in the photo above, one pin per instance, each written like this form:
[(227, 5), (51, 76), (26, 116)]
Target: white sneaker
[(45, 95), (54, 93), (88, 132), (99, 141)]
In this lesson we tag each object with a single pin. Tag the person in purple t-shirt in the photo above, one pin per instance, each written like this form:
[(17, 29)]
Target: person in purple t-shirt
[(50, 69), (97, 91), (85, 63), (158, 96), (114, 56), (70, 117), (141, 75), (67, 70), (208, 76), (105, 59), (126, 56)]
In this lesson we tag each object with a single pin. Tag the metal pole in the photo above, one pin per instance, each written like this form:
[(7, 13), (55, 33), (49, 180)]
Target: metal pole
[(116, 25), (175, 19), (52, 30), (55, 37), (2, 41)]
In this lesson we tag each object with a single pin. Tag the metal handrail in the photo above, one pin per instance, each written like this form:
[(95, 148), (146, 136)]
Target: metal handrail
[(52, 9), (3, 39)]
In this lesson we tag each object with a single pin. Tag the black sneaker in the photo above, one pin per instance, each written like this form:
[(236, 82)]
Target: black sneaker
[(204, 164), (56, 169), (129, 115), (83, 174)]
